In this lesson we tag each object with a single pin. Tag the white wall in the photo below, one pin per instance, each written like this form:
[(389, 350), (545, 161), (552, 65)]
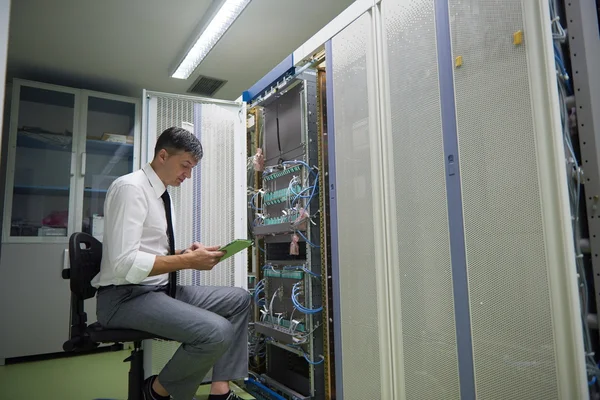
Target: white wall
[(4, 17)]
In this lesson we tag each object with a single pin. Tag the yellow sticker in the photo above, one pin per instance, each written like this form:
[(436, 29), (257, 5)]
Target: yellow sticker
[(518, 38), (458, 62)]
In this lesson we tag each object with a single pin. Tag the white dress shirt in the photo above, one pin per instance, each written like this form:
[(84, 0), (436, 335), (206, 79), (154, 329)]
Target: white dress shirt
[(135, 230)]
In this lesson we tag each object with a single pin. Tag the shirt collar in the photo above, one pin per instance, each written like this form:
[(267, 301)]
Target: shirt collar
[(155, 182)]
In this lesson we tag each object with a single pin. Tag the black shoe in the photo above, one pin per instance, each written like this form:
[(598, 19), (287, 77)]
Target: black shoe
[(147, 390), (233, 396)]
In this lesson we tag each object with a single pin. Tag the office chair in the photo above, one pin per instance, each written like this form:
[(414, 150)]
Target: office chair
[(85, 254)]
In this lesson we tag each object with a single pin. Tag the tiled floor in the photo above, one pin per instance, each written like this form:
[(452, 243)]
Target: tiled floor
[(90, 377)]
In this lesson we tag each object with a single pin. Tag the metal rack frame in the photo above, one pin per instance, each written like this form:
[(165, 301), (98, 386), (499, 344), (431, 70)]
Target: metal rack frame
[(312, 149), (583, 31)]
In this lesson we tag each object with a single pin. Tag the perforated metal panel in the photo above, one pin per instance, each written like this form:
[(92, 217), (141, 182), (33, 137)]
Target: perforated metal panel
[(204, 206), (358, 291), (213, 205), (424, 270), (513, 344), (178, 112)]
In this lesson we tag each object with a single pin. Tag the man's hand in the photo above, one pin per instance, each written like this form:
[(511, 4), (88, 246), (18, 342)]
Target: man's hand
[(194, 246), (203, 258)]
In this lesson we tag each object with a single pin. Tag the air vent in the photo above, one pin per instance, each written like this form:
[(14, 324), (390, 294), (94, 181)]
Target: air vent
[(205, 86)]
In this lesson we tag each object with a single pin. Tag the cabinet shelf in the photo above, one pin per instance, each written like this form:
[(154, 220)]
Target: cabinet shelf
[(52, 190), (92, 146), (90, 191), (28, 140), (108, 148)]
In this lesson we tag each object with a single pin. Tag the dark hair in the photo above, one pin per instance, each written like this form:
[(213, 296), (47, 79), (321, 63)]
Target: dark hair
[(177, 139)]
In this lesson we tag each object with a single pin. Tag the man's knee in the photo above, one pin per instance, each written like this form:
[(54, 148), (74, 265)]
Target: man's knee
[(219, 336), (242, 298)]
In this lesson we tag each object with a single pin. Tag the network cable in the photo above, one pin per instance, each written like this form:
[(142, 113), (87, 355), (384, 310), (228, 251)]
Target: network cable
[(305, 355), (313, 362), (251, 203), (307, 241), (296, 291), (259, 288)]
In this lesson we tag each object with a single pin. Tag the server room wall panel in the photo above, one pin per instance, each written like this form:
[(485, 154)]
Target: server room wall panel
[(358, 289), (424, 269), (511, 318)]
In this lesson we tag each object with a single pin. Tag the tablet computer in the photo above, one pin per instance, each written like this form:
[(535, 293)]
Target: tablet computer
[(235, 247)]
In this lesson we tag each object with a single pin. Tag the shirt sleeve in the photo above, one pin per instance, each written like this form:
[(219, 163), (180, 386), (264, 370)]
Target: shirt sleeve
[(126, 211)]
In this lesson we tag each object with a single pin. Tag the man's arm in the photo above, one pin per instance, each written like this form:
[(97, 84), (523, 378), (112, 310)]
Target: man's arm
[(166, 264), (126, 212)]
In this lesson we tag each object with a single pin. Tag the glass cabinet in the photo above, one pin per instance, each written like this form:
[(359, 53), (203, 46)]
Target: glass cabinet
[(66, 146), (42, 142), (107, 153)]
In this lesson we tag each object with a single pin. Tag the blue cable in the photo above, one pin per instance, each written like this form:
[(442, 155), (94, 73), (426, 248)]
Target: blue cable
[(314, 186), (562, 68), (295, 346), (312, 362), (258, 288), (265, 389), (308, 271), (308, 241), (299, 306), (301, 196), (302, 191), (315, 174), (256, 294), (305, 310), (251, 203)]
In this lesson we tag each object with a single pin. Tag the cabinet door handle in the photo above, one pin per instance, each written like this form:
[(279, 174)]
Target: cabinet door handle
[(73, 164), (82, 164)]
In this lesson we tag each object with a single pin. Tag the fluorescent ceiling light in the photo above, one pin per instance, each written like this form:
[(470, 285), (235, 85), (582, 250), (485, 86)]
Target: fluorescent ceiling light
[(217, 27)]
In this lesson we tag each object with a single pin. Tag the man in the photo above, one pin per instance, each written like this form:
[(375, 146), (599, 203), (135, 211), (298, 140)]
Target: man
[(210, 322)]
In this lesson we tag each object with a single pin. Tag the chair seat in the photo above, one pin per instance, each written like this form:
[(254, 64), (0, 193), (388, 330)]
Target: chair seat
[(99, 334)]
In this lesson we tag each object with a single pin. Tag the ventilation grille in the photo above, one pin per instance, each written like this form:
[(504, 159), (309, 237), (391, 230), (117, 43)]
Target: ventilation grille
[(206, 86), (213, 198), (203, 208), (358, 283), (513, 343), (423, 244)]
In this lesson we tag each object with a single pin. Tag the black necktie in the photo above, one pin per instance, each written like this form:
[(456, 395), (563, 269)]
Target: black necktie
[(173, 275)]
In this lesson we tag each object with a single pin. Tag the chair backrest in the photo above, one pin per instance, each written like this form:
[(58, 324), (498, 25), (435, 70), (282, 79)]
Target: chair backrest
[(85, 255)]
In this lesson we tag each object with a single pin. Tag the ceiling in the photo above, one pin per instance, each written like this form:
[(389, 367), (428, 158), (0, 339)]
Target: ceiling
[(124, 46)]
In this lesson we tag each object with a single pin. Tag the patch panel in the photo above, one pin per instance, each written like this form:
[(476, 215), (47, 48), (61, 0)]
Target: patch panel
[(282, 173), (284, 274), (282, 195), (285, 324)]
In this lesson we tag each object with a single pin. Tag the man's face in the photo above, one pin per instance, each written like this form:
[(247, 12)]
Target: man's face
[(178, 167)]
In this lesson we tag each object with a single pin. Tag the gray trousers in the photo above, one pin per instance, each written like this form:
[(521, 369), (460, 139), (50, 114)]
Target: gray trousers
[(211, 323)]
